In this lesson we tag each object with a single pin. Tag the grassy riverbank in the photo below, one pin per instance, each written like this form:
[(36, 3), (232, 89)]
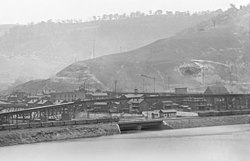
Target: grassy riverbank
[(27, 136)]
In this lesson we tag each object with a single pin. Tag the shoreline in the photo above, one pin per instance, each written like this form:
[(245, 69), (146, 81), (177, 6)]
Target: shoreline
[(38, 135), (63, 133)]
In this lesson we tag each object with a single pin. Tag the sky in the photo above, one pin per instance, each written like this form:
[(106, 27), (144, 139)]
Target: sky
[(27, 11)]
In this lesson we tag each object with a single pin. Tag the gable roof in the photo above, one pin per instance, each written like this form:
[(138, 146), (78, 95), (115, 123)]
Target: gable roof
[(216, 89)]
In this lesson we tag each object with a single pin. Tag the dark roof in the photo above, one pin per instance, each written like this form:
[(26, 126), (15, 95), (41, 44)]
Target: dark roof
[(216, 89)]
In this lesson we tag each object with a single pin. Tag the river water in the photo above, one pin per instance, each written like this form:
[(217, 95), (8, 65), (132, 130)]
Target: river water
[(221, 143)]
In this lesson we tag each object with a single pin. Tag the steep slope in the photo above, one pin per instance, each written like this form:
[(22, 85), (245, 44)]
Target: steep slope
[(224, 41), (47, 47), (218, 49)]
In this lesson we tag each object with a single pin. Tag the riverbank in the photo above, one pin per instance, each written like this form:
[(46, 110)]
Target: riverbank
[(36, 135), (46, 134), (179, 123)]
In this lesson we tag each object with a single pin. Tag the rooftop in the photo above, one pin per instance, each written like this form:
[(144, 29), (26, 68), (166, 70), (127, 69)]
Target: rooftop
[(132, 95), (216, 89), (100, 103), (135, 100)]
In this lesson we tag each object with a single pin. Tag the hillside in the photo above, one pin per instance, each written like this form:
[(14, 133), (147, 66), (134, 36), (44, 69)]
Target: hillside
[(47, 47), (219, 47)]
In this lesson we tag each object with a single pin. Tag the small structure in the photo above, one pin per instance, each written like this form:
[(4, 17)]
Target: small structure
[(164, 105), (160, 114), (137, 105), (167, 113), (132, 101), (220, 102), (216, 89)]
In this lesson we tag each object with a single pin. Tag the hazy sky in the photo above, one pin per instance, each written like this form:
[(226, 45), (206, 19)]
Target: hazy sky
[(25, 11)]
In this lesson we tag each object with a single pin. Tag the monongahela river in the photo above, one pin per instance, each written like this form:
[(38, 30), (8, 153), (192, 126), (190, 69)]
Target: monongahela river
[(221, 143)]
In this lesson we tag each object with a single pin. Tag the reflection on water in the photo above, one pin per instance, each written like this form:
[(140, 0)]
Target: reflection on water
[(221, 143)]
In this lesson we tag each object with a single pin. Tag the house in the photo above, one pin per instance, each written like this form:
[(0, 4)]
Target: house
[(137, 105), (167, 113), (130, 99), (218, 103), (167, 104), (162, 105), (94, 96), (160, 114), (216, 89)]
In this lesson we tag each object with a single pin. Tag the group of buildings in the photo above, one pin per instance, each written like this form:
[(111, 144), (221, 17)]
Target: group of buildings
[(132, 103)]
